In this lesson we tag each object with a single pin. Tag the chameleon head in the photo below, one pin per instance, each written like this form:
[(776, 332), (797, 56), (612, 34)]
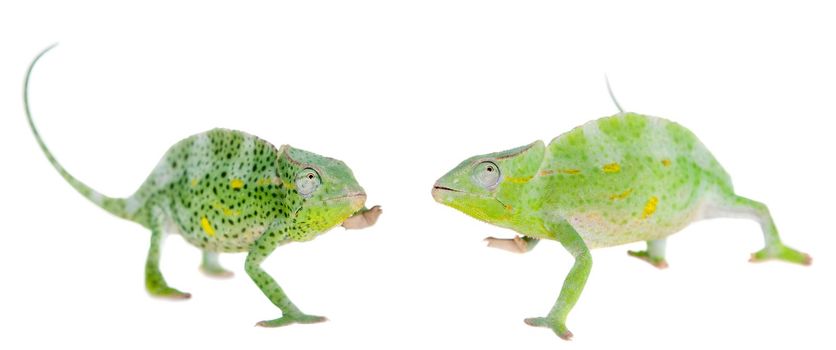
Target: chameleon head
[(492, 187), (322, 192)]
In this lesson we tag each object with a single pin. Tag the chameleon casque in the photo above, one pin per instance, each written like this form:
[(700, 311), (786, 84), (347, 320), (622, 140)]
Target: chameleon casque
[(226, 191), (616, 180)]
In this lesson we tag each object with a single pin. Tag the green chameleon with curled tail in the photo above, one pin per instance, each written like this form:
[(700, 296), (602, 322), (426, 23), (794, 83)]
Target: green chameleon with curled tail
[(616, 180), (226, 191)]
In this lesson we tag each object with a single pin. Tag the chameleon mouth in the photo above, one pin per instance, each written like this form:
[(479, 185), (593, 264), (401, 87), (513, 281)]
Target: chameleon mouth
[(442, 188), (350, 195), (356, 199), (442, 194)]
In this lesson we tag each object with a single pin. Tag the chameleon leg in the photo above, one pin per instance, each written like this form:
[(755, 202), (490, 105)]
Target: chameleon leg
[(210, 265), (572, 286), (154, 281), (290, 313), (514, 245), (737, 206), (655, 253)]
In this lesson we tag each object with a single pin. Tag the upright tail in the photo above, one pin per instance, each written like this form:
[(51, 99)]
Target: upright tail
[(612, 96), (115, 206)]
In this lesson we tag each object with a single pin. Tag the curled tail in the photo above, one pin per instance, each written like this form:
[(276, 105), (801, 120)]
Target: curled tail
[(115, 206)]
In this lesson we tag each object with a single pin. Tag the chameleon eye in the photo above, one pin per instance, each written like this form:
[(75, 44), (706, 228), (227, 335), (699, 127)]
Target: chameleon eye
[(486, 174), (307, 181)]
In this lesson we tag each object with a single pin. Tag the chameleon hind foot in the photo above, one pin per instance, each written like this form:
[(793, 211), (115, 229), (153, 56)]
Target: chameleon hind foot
[(291, 319), (154, 282), (559, 328), (781, 252), (211, 267), (659, 263), (737, 206)]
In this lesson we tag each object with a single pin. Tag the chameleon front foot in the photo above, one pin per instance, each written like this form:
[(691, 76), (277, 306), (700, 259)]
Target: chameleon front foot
[(558, 328), (658, 262), (291, 319), (515, 245), (781, 252), (363, 218)]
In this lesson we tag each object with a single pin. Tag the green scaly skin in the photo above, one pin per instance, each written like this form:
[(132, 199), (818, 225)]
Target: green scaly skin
[(616, 180), (227, 191)]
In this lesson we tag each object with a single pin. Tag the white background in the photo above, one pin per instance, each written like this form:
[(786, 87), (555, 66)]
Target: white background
[(403, 91)]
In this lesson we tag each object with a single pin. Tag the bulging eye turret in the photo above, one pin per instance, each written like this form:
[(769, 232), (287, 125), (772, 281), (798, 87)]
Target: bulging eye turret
[(487, 174), (307, 181)]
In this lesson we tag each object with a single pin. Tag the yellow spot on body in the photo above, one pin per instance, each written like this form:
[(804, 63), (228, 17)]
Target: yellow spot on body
[(264, 181), (650, 207), (508, 207), (518, 180), (289, 185), (194, 182), (621, 195), (236, 183), (612, 168), (207, 227), (559, 171), (666, 162), (225, 210)]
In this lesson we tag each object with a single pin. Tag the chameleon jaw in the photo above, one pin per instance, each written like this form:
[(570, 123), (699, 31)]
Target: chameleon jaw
[(439, 191)]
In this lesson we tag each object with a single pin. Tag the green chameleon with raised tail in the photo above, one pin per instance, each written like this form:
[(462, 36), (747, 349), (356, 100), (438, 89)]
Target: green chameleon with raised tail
[(616, 180), (226, 191)]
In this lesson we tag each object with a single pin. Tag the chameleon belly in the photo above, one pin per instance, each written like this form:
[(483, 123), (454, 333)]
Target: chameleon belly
[(600, 229)]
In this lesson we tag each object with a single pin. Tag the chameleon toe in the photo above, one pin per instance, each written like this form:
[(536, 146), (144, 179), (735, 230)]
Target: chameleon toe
[(558, 328), (170, 293), (291, 319), (782, 253), (537, 322), (216, 272), (659, 263)]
